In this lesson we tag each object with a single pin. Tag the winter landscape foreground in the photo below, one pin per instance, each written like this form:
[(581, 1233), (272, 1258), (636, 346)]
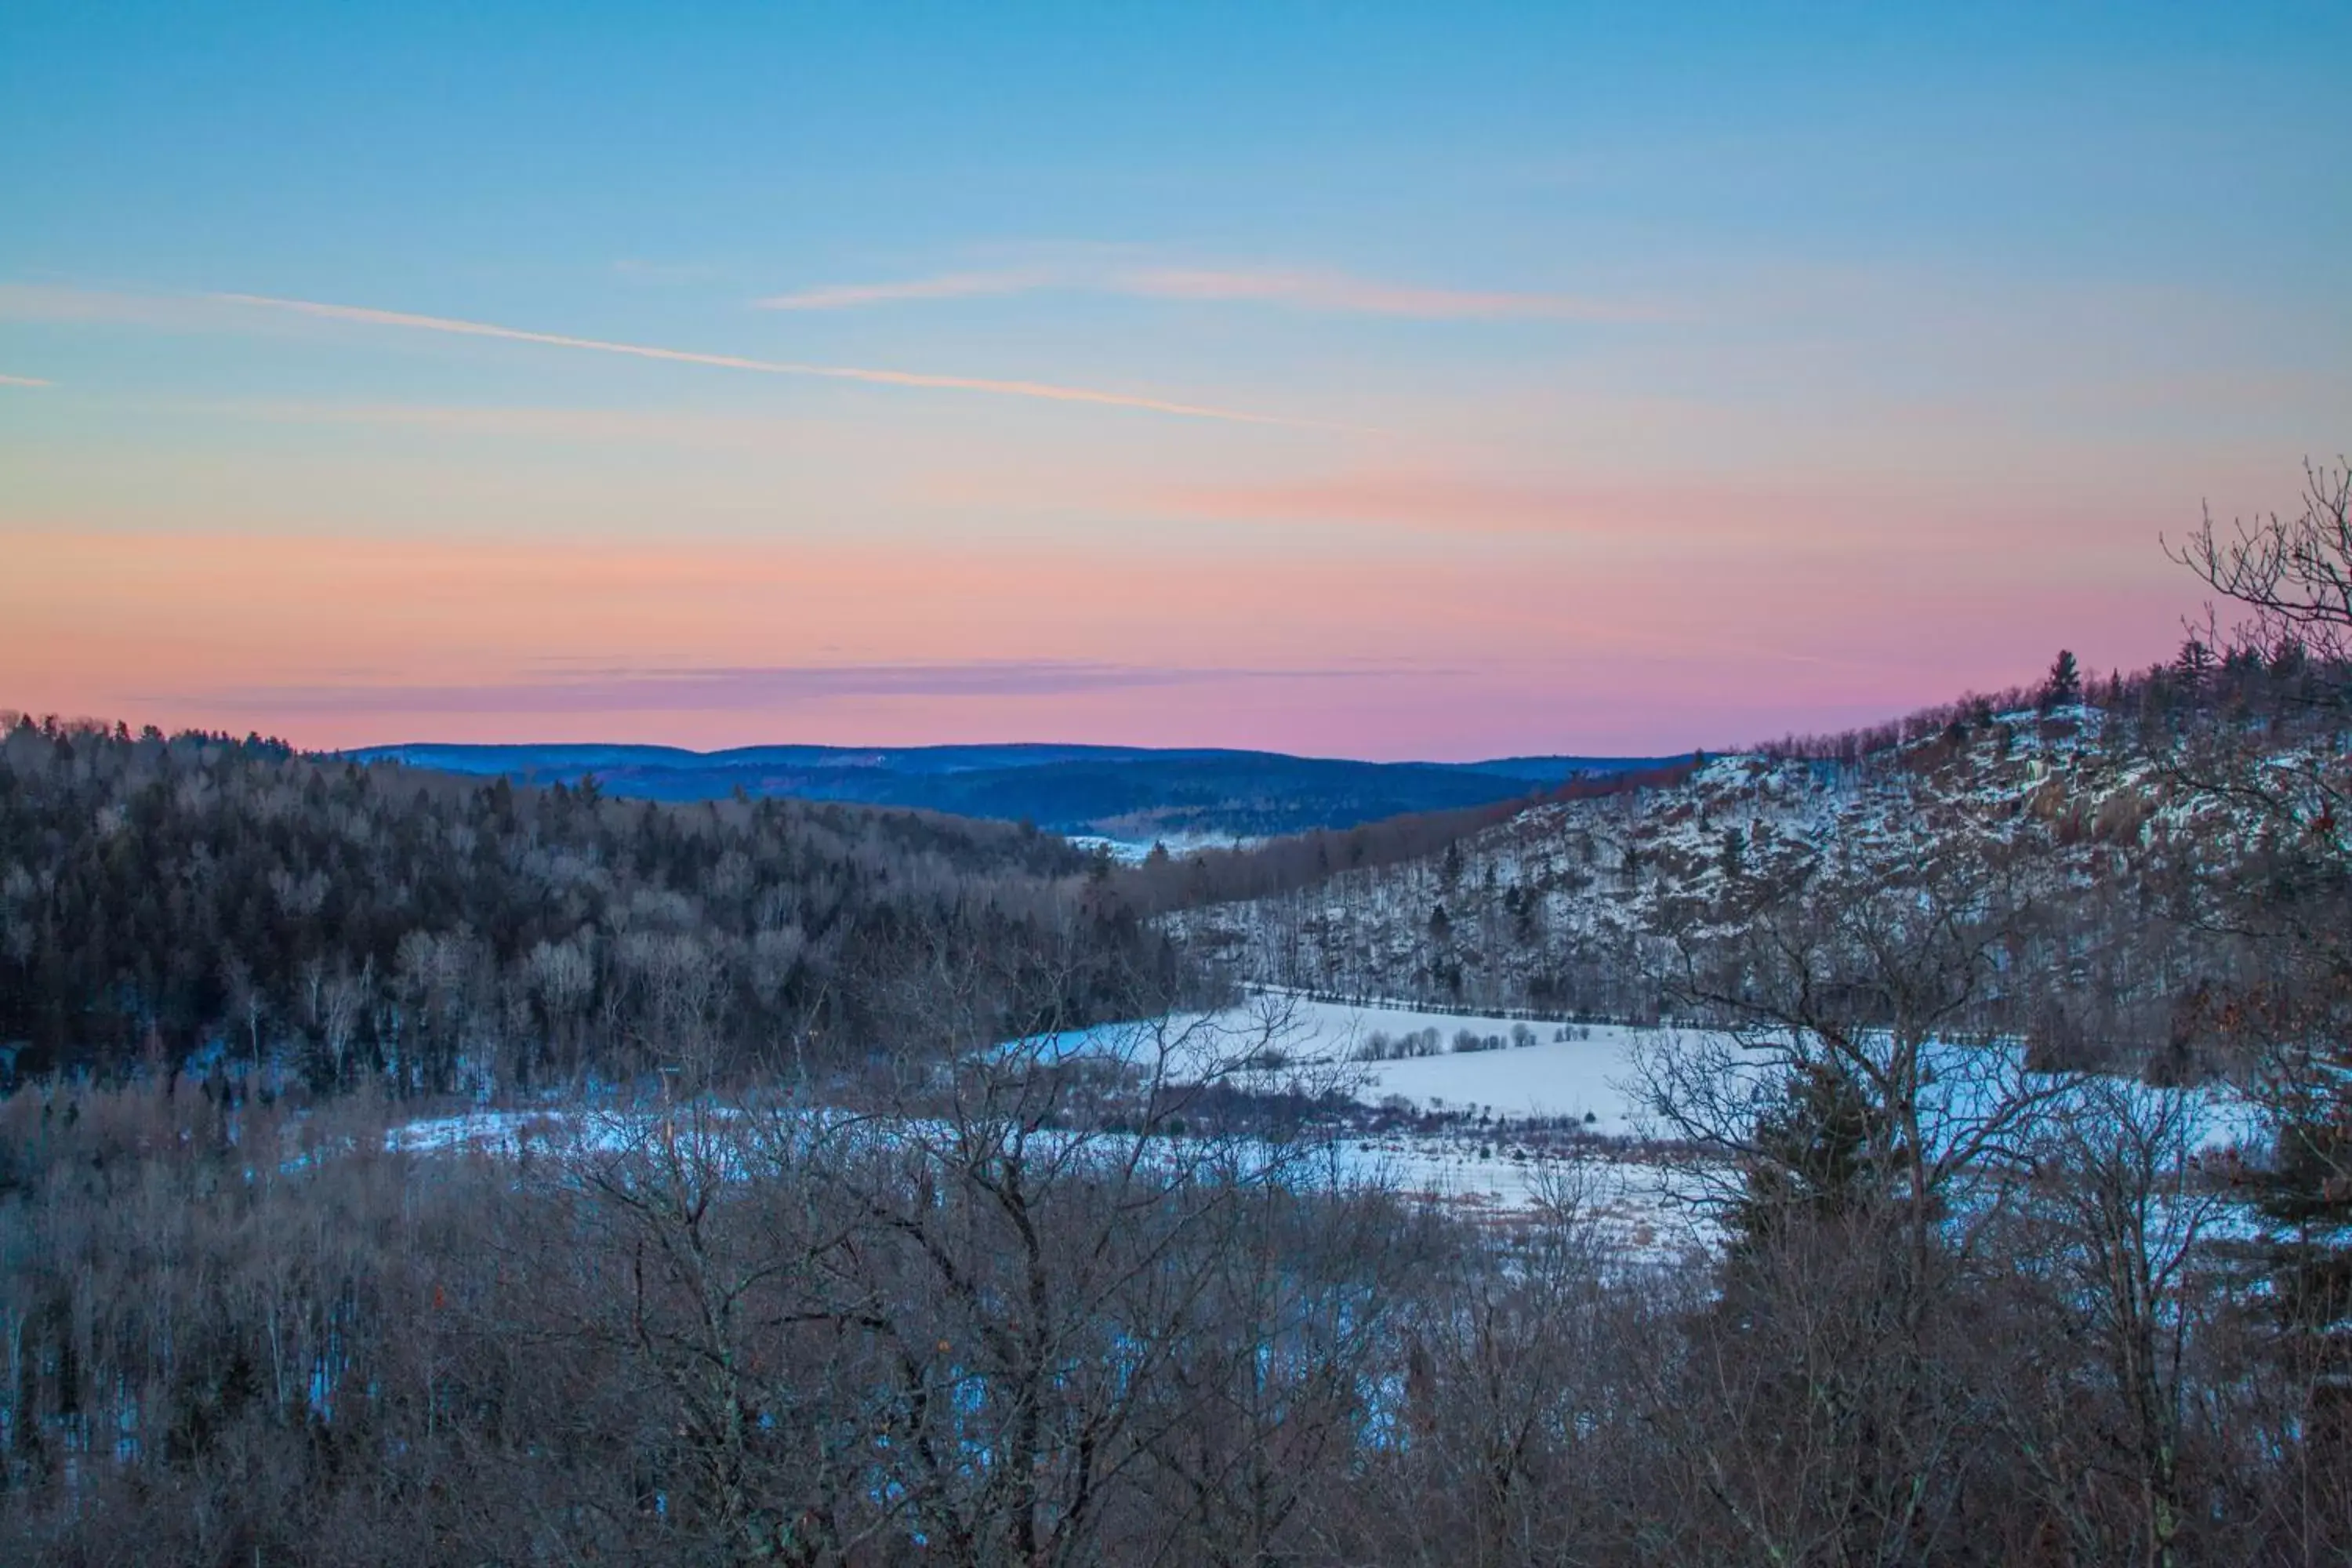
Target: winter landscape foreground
[(1508, 1119), (1481, 1117)]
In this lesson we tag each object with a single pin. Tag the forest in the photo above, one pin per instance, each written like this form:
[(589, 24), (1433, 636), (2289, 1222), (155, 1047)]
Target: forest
[(232, 907), (2020, 1121)]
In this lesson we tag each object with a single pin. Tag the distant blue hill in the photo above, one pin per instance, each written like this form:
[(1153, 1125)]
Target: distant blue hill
[(1130, 793)]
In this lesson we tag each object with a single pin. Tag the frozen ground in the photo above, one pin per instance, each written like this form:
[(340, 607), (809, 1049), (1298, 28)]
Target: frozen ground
[(1629, 1200), (1587, 1074), (1479, 1174), (1586, 1077), (1494, 1149)]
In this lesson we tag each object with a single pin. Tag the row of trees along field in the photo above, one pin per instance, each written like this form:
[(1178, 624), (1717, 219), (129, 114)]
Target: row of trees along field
[(231, 903)]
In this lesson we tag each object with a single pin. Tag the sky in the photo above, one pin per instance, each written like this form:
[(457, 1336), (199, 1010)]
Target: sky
[(1441, 381)]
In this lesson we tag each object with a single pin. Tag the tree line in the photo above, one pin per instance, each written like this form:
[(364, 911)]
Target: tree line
[(232, 906)]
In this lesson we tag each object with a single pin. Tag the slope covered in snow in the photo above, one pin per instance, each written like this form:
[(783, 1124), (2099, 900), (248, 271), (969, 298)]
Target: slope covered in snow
[(1559, 908)]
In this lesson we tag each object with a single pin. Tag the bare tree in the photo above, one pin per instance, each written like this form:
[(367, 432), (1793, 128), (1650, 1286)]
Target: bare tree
[(2291, 576), (2286, 901), (2112, 1243), (1857, 1150)]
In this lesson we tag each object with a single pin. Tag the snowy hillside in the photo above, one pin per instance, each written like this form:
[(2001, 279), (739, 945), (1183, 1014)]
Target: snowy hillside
[(1558, 907)]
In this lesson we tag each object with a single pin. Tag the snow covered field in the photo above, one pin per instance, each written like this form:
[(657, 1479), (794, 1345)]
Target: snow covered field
[(1494, 1148), (1586, 1075)]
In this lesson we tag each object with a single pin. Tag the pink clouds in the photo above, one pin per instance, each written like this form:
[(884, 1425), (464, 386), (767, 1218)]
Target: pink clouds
[(346, 641), (1307, 289), (942, 286)]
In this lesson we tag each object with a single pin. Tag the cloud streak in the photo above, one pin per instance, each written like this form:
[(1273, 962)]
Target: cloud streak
[(946, 286), (1331, 293), (1047, 392), (1782, 517), (24, 381), (694, 429), (1340, 293), (741, 689)]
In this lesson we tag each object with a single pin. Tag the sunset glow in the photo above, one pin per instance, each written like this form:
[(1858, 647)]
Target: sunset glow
[(1512, 383)]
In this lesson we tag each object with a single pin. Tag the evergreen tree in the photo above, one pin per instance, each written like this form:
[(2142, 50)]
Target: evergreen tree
[(2063, 686), (1812, 1157), (2194, 665), (2307, 1194)]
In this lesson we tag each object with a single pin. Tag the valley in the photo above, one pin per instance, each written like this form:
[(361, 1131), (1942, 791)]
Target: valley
[(530, 1162)]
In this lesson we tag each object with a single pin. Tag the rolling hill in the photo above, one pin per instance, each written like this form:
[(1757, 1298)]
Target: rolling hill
[(1127, 794)]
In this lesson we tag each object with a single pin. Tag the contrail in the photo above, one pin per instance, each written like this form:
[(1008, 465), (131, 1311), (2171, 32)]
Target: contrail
[(1042, 391)]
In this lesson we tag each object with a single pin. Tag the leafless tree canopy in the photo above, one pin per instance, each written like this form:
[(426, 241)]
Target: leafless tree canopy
[(319, 924), (2291, 576)]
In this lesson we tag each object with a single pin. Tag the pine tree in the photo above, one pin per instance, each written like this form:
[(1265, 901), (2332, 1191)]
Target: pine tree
[(1812, 1157), (2063, 686), (2307, 1194), (2195, 664)]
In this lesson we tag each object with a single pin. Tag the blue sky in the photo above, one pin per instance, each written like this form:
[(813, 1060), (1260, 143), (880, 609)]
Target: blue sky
[(1386, 380)]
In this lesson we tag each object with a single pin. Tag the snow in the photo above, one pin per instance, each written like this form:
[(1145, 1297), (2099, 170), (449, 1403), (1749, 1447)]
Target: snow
[(1135, 851), (1588, 1075), (1554, 905), (1582, 1080), (1320, 1040), (1633, 1202), (1594, 1074), (1479, 1175), (1487, 1156), (503, 1133)]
